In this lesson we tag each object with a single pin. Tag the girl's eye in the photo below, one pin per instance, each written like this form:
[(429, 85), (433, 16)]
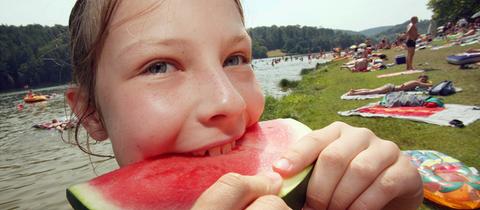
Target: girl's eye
[(234, 60), (159, 68)]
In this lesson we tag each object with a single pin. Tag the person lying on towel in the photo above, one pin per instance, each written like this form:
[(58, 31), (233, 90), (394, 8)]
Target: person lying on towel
[(473, 51), (420, 82)]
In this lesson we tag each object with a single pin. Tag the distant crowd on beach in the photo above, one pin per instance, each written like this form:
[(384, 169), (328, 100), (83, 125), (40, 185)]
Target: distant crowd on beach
[(365, 56), (410, 40), (462, 28), (310, 57)]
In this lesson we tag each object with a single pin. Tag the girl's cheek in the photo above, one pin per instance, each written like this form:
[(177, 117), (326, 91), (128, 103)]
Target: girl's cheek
[(256, 104)]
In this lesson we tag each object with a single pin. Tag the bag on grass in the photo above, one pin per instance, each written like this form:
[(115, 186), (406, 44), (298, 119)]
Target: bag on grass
[(443, 88)]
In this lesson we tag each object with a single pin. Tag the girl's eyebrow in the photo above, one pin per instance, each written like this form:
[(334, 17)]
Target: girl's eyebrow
[(239, 38), (125, 51), (235, 40)]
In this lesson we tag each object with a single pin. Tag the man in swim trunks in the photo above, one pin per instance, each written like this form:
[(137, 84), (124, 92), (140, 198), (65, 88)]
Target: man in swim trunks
[(420, 82), (412, 35)]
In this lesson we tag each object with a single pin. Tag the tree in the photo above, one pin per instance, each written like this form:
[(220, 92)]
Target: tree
[(258, 50), (452, 10)]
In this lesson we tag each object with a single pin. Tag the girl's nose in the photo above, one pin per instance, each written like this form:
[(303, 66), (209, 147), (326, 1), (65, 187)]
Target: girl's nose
[(221, 101)]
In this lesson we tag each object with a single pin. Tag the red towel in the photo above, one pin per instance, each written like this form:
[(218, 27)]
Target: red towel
[(416, 111)]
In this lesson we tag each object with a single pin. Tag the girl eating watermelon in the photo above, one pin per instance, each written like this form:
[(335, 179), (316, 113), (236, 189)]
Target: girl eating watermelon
[(175, 77)]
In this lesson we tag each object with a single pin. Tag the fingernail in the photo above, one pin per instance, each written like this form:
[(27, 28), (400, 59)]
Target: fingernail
[(283, 164)]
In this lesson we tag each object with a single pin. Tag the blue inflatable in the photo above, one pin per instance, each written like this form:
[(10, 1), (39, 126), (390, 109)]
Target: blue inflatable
[(464, 58)]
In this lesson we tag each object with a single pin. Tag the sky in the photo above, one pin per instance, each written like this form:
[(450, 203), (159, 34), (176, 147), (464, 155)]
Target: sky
[(353, 15)]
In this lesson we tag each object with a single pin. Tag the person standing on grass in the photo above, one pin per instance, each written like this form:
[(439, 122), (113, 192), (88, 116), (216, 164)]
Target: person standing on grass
[(412, 35)]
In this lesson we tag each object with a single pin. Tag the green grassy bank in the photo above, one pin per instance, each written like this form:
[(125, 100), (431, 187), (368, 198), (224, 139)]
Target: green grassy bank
[(316, 101)]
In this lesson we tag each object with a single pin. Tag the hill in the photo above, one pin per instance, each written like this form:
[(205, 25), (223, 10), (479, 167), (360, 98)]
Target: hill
[(348, 32), (374, 31), (392, 32)]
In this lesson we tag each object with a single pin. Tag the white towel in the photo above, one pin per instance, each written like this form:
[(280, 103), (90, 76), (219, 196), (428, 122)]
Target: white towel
[(464, 113)]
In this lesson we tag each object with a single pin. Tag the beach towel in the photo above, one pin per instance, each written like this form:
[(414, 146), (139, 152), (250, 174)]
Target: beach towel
[(400, 73), (450, 115), (372, 96), (443, 46), (469, 43)]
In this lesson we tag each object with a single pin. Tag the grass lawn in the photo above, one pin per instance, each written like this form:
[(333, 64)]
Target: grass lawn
[(275, 53), (316, 101)]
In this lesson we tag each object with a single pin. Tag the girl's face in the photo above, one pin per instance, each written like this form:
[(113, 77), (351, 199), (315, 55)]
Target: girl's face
[(174, 76), (423, 79)]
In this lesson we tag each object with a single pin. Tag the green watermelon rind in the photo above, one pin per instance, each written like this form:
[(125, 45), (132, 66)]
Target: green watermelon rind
[(86, 197), (292, 182)]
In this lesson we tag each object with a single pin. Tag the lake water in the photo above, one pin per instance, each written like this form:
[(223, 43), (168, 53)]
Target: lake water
[(36, 166), (269, 76)]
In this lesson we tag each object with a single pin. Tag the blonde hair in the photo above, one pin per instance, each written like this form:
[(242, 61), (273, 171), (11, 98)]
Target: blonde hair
[(88, 26)]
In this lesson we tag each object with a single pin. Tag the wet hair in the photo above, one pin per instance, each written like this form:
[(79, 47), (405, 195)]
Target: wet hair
[(423, 76), (88, 27)]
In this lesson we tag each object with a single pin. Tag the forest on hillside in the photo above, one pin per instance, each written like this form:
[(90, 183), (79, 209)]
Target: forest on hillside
[(33, 55), (300, 39)]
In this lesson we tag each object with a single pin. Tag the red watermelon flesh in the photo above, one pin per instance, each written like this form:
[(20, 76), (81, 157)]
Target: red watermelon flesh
[(175, 182)]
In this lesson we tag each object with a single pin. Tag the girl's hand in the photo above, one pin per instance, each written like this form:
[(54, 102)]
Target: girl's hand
[(234, 191), (354, 170)]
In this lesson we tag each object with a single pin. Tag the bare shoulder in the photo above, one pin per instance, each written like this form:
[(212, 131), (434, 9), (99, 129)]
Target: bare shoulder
[(409, 26), (413, 82)]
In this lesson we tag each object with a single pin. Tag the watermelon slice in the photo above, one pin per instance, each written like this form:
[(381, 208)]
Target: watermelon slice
[(175, 182)]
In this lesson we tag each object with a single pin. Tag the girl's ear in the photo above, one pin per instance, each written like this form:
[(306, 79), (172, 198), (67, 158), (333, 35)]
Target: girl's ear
[(78, 102)]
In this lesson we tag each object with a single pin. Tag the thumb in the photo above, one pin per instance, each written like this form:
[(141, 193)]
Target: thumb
[(234, 191), (306, 151)]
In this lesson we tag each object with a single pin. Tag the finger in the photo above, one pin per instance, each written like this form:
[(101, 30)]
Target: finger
[(332, 164), (398, 187), (306, 150), (362, 172), (268, 202), (234, 191)]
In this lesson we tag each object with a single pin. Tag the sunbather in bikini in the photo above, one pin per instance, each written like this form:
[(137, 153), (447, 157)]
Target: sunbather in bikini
[(421, 82), (473, 51)]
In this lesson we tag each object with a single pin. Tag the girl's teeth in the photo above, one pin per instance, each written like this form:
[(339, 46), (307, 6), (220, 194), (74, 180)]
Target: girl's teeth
[(215, 151), (199, 153), (219, 150)]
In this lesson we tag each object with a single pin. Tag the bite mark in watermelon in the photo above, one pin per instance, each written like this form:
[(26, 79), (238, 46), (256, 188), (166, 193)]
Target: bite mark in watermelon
[(175, 182)]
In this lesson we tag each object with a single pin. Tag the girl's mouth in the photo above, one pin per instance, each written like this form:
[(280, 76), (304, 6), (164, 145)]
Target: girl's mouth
[(215, 151)]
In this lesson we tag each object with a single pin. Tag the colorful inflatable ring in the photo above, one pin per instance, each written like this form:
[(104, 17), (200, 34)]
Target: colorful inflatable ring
[(446, 180), (34, 99)]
